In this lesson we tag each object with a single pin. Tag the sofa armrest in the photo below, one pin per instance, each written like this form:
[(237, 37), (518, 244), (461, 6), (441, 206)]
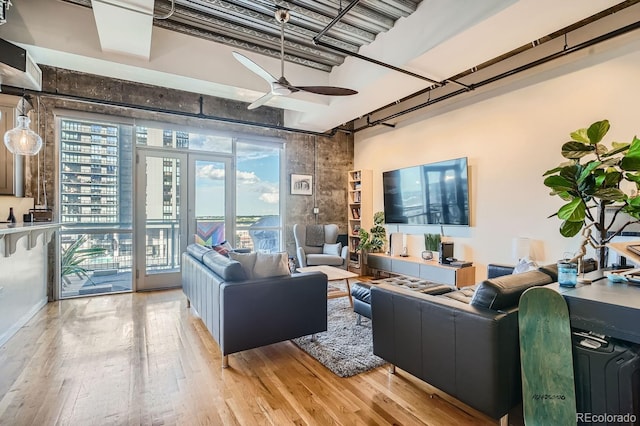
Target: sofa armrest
[(302, 257), (260, 312), (345, 257)]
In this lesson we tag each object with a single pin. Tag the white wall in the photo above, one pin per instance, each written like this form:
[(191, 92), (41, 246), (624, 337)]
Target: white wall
[(23, 285), (511, 139)]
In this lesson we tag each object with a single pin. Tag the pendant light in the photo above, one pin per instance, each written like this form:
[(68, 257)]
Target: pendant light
[(21, 140)]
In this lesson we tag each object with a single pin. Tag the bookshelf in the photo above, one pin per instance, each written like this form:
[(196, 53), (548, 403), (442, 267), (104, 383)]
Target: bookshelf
[(360, 212)]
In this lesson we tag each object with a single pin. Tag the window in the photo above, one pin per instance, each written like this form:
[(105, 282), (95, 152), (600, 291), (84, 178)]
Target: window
[(95, 206)]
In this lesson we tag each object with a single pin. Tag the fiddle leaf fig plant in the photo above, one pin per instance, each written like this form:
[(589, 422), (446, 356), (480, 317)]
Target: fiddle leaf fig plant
[(374, 241), (590, 182)]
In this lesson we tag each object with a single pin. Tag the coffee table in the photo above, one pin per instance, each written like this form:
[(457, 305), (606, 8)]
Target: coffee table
[(334, 274)]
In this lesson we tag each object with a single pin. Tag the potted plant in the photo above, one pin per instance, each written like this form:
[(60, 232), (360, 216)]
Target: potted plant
[(431, 244), (591, 182), (73, 258), (372, 241)]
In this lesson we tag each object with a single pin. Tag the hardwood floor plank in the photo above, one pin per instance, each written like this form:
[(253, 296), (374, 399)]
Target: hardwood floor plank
[(145, 359)]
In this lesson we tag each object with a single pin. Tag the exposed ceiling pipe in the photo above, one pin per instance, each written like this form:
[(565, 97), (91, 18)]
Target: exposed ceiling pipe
[(12, 90), (377, 62), (168, 14), (335, 20), (318, 42), (554, 56)]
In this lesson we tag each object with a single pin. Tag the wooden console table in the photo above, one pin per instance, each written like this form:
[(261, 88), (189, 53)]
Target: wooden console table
[(429, 270)]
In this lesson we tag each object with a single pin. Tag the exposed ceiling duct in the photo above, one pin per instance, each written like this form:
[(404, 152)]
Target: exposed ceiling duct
[(17, 68)]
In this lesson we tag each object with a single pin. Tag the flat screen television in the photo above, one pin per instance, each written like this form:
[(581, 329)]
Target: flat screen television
[(430, 194)]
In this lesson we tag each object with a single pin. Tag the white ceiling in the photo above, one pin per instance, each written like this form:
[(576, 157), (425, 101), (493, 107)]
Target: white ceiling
[(441, 39)]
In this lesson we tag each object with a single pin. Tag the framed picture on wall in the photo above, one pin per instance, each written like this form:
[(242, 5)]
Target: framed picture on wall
[(301, 184)]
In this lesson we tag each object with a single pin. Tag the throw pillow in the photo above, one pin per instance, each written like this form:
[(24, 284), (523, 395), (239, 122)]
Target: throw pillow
[(332, 249), (247, 260), (223, 248), (271, 265), (525, 265)]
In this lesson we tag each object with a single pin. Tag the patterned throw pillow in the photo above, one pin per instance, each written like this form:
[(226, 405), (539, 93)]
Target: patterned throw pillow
[(223, 248)]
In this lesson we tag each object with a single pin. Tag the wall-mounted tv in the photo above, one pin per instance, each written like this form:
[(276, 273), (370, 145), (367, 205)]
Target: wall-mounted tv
[(431, 194)]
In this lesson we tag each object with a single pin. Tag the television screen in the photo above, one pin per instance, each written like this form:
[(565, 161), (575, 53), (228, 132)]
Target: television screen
[(431, 194)]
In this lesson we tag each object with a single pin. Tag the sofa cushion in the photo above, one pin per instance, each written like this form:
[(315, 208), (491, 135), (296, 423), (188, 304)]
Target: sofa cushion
[(464, 295), (197, 251), (323, 259), (247, 260), (227, 269), (504, 292), (271, 265), (333, 249)]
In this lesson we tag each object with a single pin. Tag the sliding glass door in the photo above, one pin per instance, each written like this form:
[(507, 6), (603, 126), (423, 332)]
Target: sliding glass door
[(169, 216), (161, 222)]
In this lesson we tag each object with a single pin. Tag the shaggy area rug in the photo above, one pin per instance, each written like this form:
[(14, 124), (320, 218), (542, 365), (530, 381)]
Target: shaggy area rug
[(345, 348)]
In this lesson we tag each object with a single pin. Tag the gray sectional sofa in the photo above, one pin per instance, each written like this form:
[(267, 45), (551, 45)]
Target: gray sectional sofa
[(243, 313), (463, 342)]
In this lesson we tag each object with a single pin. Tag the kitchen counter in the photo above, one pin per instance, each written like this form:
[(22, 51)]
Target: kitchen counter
[(11, 233), (24, 262)]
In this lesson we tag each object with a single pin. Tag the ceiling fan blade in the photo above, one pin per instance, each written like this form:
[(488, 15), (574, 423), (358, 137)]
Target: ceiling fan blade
[(261, 100), (254, 67), (326, 90)]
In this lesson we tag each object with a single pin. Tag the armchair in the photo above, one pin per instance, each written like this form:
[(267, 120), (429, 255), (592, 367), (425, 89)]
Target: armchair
[(317, 245)]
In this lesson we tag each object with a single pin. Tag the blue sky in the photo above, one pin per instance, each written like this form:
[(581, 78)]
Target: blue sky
[(256, 180)]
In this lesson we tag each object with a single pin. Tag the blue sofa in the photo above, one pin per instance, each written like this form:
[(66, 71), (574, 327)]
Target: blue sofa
[(243, 314)]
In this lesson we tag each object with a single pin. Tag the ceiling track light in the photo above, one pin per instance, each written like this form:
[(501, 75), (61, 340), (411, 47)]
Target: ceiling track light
[(21, 140)]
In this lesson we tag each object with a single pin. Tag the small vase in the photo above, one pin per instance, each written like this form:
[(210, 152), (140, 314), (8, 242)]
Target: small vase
[(427, 255)]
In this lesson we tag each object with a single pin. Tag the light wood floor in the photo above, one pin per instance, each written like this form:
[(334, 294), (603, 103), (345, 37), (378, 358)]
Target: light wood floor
[(144, 359)]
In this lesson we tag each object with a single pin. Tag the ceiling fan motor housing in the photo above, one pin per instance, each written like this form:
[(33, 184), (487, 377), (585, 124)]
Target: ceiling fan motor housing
[(282, 15)]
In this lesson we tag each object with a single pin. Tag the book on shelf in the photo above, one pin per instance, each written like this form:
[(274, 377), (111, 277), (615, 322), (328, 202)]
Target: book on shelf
[(355, 212)]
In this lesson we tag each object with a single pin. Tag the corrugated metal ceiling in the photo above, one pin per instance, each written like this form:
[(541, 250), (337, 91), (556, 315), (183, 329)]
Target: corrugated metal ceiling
[(251, 25)]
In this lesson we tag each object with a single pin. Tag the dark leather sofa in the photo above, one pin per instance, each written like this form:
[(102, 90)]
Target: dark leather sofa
[(243, 314), (464, 343)]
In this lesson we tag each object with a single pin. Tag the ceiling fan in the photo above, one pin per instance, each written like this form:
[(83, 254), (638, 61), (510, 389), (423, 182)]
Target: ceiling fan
[(281, 86)]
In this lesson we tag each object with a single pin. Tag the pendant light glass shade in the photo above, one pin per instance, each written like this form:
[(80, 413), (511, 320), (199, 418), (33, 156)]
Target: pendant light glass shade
[(22, 140)]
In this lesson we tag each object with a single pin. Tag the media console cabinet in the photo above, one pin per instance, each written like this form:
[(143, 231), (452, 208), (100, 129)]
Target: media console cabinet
[(429, 270)]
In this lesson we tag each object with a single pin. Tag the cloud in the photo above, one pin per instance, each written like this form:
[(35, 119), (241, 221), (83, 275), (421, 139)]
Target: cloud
[(270, 197), (245, 181), (247, 178), (210, 172)]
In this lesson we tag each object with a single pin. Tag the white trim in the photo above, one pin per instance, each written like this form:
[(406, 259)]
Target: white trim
[(4, 338)]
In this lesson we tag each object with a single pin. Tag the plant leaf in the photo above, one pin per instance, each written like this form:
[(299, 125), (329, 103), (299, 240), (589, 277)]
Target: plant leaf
[(558, 183), (631, 160), (597, 130), (573, 211), (590, 166), (580, 135), (617, 149), (610, 194), (575, 150), (633, 177), (570, 229)]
